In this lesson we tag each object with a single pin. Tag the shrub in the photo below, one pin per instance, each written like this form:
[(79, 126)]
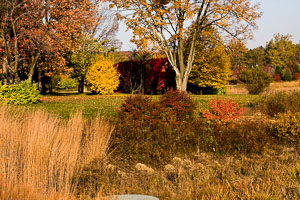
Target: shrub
[(278, 70), (178, 105), (287, 126), (67, 83), (246, 136), (277, 77), (287, 75), (279, 102), (103, 76), (21, 93), (296, 76), (255, 80), (222, 110), (153, 131), (296, 68), (137, 112), (172, 108)]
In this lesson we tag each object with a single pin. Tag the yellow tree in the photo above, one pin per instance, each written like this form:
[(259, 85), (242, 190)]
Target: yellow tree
[(237, 51), (103, 76), (211, 66), (168, 23)]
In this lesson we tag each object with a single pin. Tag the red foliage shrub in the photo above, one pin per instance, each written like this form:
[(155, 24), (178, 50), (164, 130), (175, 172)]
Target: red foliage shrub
[(222, 110), (277, 77), (137, 112), (177, 104), (296, 76), (155, 130)]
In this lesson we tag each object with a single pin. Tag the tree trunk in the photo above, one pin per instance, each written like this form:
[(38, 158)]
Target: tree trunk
[(40, 81), (32, 66), (81, 85), (181, 83), (5, 71)]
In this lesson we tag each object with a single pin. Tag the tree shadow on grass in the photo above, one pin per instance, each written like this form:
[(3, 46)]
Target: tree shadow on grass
[(68, 93)]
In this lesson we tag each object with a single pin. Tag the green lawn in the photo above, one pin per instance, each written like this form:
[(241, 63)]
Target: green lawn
[(107, 105)]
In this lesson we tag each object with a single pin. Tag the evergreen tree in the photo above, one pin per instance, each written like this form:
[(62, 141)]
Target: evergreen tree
[(287, 75)]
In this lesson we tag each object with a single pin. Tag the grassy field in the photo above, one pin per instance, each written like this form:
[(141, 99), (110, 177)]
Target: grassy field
[(64, 104)]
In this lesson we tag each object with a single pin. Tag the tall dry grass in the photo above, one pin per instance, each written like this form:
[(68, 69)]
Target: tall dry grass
[(40, 155)]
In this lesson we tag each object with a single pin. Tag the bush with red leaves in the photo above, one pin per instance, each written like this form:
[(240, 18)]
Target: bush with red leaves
[(222, 110)]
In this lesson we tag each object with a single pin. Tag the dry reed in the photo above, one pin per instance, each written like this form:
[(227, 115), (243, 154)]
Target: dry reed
[(41, 154)]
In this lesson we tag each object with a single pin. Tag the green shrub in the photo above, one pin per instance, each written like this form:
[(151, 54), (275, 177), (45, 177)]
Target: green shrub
[(255, 80), (279, 102), (22, 93), (287, 75), (287, 126), (296, 68), (278, 70), (67, 83)]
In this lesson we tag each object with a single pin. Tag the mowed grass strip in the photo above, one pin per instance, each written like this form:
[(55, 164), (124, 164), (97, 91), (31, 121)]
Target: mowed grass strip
[(107, 105)]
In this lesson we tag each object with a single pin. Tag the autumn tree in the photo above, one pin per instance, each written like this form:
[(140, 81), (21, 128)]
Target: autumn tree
[(280, 51), (298, 53), (237, 51), (103, 76), (166, 24), (96, 40), (211, 67), (34, 33), (256, 57)]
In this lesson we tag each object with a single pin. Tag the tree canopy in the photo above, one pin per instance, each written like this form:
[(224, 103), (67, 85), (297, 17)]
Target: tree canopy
[(280, 51), (166, 25), (35, 33)]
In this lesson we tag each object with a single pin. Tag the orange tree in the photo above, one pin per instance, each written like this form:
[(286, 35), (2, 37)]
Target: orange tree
[(166, 24), (34, 33)]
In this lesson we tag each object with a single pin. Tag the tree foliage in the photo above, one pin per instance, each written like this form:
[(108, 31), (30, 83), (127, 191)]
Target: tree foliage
[(255, 80), (237, 51), (256, 57), (280, 50), (103, 76), (298, 52), (211, 66), (102, 36), (35, 33), (166, 25), (287, 75)]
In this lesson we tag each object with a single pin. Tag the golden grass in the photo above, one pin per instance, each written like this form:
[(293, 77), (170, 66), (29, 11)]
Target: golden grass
[(273, 175), (274, 87), (40, 155), (285, 84)]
